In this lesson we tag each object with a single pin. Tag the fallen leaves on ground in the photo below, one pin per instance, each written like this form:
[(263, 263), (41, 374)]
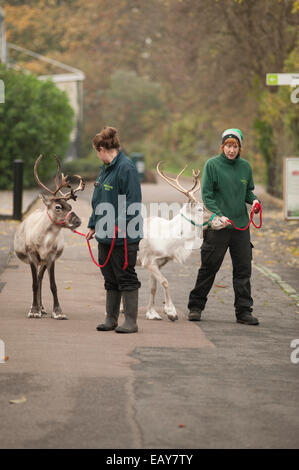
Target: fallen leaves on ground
[(277, 241), (17, 401)]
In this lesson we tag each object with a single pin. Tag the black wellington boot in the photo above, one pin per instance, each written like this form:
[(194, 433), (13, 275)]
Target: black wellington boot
[(130, 299), (194, 315), (113, 298), (246, 318)]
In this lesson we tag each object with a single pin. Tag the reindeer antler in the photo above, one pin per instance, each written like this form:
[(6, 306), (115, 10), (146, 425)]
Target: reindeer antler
[(37, 178), (71, 193), (174, 182), (196, 186), (63, 184)]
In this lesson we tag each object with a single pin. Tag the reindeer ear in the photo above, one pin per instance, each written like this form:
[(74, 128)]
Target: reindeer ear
[(45, 199)]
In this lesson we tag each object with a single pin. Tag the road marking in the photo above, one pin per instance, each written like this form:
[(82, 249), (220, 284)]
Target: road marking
[(287, 289)]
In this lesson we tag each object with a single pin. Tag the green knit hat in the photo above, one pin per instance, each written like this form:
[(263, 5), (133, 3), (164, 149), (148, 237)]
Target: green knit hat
[(233, 133)]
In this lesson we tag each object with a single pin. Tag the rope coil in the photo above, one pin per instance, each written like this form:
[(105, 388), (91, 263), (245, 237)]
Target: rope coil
[(256, 206), (89, 247)]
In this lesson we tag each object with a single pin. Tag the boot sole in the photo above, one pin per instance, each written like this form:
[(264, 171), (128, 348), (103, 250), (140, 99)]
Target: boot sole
[(247, 323), (126, 331), (99, 328), (194, 317)]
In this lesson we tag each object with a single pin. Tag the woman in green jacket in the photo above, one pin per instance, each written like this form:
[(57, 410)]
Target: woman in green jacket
[(116, 201), (227, 186)]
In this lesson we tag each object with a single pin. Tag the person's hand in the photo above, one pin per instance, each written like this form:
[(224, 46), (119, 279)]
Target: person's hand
[(255, 206), (224, 220), (90, 234)]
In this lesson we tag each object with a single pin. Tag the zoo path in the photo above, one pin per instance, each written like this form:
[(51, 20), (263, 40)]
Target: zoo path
[(215, 384)]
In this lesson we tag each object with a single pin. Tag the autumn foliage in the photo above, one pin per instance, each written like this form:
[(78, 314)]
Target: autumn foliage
[(199, 66)]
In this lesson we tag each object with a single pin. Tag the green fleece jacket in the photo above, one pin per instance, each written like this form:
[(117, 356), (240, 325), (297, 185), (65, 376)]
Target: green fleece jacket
[(116, 180), (227, 186)]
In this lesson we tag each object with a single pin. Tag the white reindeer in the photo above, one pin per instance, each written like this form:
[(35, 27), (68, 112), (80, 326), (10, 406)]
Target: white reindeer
[(39, 240), (165, 240)]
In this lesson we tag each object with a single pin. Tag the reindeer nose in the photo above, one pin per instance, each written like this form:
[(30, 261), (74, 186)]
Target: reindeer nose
[(73, 219), (76, 221)]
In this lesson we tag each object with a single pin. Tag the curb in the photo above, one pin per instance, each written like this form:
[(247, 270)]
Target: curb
[(28, 206), (285, 287)]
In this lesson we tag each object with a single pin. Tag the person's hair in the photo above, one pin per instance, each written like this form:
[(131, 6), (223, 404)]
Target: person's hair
[(231, 140), (107, 138)]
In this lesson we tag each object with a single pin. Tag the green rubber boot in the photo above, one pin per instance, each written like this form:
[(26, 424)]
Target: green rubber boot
[(113, 298), (130, 300)]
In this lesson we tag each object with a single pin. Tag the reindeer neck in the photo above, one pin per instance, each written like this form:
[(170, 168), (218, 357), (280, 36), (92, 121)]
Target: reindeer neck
[(49, 225), (188, 214), (182, 224)]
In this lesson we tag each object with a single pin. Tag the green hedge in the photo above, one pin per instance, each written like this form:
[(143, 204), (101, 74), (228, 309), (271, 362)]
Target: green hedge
[(87, 167), (35, 118)]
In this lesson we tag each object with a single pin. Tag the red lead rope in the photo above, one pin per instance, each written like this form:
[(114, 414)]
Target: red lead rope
[(89, 247), (110, 251), (257, 205)]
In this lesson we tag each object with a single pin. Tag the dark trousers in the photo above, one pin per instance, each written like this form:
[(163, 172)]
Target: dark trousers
[(114, 276), (213, 249)]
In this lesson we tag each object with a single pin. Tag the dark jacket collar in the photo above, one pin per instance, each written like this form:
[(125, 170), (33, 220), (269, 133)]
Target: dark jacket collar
[(228, 161), (114, 161)]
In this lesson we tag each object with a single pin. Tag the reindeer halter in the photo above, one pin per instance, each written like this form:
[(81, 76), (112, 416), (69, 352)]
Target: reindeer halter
[(61, 221)]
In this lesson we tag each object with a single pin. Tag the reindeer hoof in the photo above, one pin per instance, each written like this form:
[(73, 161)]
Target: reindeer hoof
[(173, 317), (153, 316), (34, 315), (59, 316)]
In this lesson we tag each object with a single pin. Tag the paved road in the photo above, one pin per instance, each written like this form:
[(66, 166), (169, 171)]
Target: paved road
[(215, 384)]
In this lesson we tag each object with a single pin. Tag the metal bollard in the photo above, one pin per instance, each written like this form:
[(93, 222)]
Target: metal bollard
[(138, 160), (18, 166)]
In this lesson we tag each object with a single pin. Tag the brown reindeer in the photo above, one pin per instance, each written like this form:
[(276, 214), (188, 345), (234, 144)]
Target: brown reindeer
[(39, 239)]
